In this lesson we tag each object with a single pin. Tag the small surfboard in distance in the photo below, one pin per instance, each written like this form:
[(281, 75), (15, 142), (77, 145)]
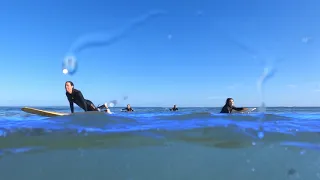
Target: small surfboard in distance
[(42, 112)]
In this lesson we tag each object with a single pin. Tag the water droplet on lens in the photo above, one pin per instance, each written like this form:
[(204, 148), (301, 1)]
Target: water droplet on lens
[(3, 133), (113, 103), (69, 65), (291, 171), (65, 71), (260, 135)]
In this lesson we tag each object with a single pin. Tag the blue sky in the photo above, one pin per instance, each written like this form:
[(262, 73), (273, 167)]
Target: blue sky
[(195, 54)]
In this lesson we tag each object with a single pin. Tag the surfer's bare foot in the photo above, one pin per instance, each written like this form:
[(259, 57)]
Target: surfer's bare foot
[(107, 109)]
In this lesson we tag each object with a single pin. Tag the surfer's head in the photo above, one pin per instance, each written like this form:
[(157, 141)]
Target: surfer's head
[(229, 102), (128, 106), (69, 86)]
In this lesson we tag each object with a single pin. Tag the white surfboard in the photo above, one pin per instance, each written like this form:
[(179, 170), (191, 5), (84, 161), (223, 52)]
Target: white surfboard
[(53, 113), (43, 112)]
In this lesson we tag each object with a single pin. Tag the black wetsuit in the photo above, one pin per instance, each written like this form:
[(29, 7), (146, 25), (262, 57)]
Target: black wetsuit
[(127, 109), (228, 109), (77, 98), (174, 109)]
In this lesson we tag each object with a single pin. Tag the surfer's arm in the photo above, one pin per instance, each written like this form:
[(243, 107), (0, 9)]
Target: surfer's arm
[(71, 106), (82, 101), (239, 109), (70, 103)]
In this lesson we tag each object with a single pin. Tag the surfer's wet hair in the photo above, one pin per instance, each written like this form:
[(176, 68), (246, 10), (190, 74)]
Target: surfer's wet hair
[(71, 83), (227, 101)]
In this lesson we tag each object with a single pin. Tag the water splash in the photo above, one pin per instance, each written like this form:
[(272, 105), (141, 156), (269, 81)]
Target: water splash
[(260, 135), (112, 103), (92, 40), (103, 39), (69, 65), (242, 46), (267, 74), (306, 40)]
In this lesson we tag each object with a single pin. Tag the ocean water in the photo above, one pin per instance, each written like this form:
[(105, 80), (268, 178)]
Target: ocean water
[(156, 144)]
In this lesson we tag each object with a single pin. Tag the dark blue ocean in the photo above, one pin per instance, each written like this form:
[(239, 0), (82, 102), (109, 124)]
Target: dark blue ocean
[(156, 144)]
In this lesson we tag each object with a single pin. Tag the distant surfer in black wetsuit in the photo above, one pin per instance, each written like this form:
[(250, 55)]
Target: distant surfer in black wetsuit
[(174, 108), (75, 96), (128, 108), (229, 106)]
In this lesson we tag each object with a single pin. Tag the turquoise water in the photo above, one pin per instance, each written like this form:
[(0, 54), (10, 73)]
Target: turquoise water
[(154, 143)]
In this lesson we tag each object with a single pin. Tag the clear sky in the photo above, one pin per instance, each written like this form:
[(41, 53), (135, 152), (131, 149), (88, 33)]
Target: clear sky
[(195, 54)]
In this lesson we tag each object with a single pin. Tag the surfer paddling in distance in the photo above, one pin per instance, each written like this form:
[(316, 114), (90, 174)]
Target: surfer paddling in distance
[(174, 108), (75, 96), (127, 109), (229, 106)]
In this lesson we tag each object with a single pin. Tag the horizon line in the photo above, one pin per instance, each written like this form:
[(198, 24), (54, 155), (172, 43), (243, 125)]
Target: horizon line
[(171, 106)]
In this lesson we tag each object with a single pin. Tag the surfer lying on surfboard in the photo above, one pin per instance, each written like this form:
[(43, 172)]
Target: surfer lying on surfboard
[(229, 106), (127, 109), (174, 108), (75, 96)]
